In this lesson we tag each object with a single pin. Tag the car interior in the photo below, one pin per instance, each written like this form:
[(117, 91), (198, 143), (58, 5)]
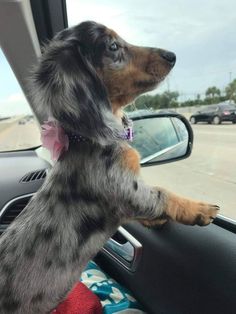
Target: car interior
[(172, 269)]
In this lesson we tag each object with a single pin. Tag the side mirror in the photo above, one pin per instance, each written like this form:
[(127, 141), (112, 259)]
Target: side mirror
[(161, 138)]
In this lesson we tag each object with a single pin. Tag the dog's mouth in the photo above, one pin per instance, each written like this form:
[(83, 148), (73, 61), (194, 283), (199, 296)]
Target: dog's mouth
[(148, 85), (139, 87), (143, 84)]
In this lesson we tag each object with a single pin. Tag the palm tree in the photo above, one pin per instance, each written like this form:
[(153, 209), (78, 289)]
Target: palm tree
[(213, 94), (231, 91)]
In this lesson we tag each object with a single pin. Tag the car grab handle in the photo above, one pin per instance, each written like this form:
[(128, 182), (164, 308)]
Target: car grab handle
[(124, 248)]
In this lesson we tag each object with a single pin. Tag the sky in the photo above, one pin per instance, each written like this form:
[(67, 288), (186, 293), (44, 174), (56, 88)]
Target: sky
[(12, 100), (202, 34)]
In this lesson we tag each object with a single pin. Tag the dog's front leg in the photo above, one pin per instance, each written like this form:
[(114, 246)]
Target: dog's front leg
[(177, 208), (154, 205)]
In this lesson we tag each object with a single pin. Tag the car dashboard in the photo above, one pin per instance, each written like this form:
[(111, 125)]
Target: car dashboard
[(22, 174)]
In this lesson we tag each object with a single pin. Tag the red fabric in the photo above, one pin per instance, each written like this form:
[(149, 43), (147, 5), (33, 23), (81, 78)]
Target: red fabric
[(79, 301)]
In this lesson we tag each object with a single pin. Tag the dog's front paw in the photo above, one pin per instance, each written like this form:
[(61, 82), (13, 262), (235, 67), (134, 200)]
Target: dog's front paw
[(204, 214), (196, 213), (189, 212)]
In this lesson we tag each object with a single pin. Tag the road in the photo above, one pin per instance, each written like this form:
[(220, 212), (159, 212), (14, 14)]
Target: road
[(209, 174), (20, 136)]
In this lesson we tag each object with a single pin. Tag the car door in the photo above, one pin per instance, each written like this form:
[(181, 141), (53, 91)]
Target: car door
[(203, 115), (211, 111), (173, 269)]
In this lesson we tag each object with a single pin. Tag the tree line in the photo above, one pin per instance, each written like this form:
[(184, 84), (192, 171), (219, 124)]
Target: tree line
[(169, 99)]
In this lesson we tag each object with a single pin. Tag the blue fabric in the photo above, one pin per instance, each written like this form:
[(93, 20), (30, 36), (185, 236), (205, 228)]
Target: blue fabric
[(114, 297)]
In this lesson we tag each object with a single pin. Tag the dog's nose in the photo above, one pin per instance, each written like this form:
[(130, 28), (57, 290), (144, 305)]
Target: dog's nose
[(169, 56)]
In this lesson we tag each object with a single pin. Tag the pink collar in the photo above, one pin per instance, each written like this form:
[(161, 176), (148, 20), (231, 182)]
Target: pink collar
[(55, 139)]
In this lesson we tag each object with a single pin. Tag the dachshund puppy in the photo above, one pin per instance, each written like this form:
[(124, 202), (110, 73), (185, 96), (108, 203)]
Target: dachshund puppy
[(84, 78)]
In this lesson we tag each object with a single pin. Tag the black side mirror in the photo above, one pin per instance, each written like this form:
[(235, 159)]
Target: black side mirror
[(161, 138)]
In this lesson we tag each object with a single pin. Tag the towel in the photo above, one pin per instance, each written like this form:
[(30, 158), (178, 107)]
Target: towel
[(79, 301)]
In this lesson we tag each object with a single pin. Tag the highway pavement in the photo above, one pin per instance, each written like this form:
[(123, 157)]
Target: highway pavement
[(209, 174)]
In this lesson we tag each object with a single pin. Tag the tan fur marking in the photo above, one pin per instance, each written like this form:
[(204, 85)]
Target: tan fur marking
[(131, 159), (188, 211), (111, 32), (117, 111), (151, 223), (146, 65)]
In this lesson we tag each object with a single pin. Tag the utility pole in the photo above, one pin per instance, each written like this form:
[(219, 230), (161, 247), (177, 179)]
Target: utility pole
[(230, 79), (168, 84)]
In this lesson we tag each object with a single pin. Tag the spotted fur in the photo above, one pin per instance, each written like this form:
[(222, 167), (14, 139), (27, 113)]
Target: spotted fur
[(95, 186)]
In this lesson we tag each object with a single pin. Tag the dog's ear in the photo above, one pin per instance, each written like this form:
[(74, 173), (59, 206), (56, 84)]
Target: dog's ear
[(68, 88)]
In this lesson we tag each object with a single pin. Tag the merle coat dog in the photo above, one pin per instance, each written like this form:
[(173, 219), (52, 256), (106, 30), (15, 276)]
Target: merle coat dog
[(85, 76)]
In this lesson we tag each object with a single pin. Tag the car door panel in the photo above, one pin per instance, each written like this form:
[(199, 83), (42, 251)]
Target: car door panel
[(182, 270)]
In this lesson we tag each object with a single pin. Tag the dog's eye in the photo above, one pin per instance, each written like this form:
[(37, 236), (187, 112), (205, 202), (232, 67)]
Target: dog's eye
[(113, 47)]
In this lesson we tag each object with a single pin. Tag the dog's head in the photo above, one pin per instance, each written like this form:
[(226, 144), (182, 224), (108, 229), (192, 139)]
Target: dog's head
[(88, 72)]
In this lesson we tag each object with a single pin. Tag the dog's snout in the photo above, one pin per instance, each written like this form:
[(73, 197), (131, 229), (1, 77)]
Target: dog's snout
[(169, 56)]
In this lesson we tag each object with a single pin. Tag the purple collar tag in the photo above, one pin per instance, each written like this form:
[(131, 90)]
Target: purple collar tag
[(129, 133)]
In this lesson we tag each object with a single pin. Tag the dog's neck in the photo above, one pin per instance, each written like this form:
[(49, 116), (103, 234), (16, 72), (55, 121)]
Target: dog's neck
[(118, 114), (117, 111)]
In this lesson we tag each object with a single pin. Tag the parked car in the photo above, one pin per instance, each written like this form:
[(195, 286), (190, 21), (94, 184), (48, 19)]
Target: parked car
[(22, 121), (215, 114)]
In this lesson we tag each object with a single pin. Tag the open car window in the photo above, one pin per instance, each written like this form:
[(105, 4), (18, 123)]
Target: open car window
[(18, 127)]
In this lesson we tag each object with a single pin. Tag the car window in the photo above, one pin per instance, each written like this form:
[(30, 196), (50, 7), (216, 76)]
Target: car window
[(228, 107), (214, 108), (209, 109), (201, 35), (204, 110), (18, 127)]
